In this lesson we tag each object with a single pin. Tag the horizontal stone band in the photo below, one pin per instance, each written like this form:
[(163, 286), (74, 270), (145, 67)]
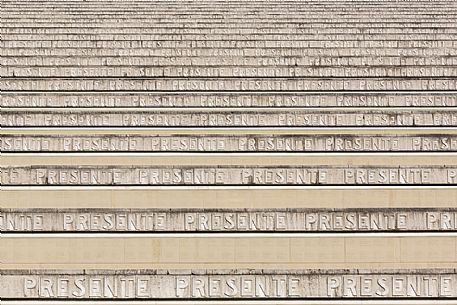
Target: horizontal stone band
[(228, 143), (228, 284), (229, 175), (231, 118), (227, 220), (232, 71), (230, 37), (230, 44), (201, 52), (226, 30), (304, 62), (141, 99), (228, 84)]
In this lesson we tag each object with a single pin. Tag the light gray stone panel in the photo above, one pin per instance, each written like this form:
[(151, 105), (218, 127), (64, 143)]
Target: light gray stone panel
[(231, 118), (221, 100), (228, 84), (228, 220), (227, 30), (228, 71), (228, 284), (202, 52), (229, 175), (228, 143), (173, 62), (230, 44)]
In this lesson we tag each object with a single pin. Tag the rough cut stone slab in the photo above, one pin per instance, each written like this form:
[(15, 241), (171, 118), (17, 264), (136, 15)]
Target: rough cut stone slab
[(229, 175), (227, 143), (228, 284), (231, 118), (218, 99), (227, 220)]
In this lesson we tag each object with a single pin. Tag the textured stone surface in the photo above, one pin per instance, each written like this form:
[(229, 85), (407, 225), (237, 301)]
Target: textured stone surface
[(231, 118), (228, 284), (218, 99), (229, 175), (229, 84), (228, 143), (271, 66), (227, 220)]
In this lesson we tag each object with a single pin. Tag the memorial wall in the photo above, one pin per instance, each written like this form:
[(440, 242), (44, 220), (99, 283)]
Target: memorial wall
[(228, 152)]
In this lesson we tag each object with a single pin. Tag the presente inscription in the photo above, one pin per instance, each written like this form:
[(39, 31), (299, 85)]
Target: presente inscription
[(237, 118), (227, 84), (229, 175), (227, 220), (217, 99), (238, 284), (227, 143), (231, 71)]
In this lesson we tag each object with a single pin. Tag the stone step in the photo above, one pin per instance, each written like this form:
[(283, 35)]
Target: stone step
[(300, 44), (224, 100), (387, 117), (228, 84), (231, 37), (197, 220), (317, 53), (415, 71), (238, 19), (229, 175), (229, 24), (233, 142), (152, 62), (227, 30)]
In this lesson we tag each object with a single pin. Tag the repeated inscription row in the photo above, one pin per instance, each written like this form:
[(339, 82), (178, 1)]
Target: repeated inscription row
[(229, 175), (237, 61), (227, 84), (231, 118), (229, 44), (229, 37), (228, 71), (227, 143), (228, 284), (227, 60), (206, 16), (137, 21), (227, 220), (238, 31), (218, 99), (241, 52)]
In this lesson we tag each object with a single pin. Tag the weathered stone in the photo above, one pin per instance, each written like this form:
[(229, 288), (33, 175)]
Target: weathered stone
[(228, 143), (228, 284), (231, 118), (229, 175), (202, 52), (202, 71), (228, 84), (227, 220), (218, 99), (221, 62), (229, 44), (230, 53)]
